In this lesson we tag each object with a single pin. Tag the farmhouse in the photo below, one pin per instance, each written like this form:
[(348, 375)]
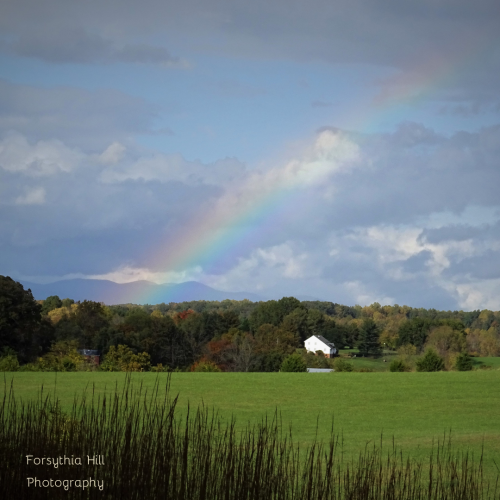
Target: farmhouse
[(319, 343)]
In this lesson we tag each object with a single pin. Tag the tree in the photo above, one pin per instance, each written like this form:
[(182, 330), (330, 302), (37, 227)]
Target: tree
[(446, 340), (369, 338), (297, 322), (90, 317), (431, 361), (293, 363), (414, 331), (272, 312), (21, 327), (51, 303), (270, 338)]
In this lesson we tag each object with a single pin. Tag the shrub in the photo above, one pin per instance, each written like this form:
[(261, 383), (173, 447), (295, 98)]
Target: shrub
[(159, 368), (122, 358), (431, 361), (293, 363), (463, 362), (341, 365), (398, 366), (204, 365), (68, 365), (9, 363)]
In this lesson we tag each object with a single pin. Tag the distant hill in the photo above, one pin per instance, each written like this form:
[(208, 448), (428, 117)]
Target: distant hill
[(137, 292)]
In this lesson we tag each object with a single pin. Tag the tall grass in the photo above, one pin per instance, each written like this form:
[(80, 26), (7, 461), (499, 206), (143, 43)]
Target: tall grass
[(151, 453)]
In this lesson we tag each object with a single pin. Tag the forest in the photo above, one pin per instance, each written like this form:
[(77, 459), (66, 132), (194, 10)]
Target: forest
[(231, 335)]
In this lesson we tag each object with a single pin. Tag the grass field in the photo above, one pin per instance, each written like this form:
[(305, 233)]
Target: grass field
[(414, 408)]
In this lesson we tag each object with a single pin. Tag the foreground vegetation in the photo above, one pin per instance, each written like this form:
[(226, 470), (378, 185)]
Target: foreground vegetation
[(414, 408), (151, 450)]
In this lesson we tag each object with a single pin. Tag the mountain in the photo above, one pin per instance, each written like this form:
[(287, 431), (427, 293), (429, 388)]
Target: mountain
[(137, 292)]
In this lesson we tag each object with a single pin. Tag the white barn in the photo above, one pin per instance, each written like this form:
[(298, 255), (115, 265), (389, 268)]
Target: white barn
[(319, 343)]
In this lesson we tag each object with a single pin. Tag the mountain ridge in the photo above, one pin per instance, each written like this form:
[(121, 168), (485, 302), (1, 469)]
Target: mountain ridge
[(135, 292)]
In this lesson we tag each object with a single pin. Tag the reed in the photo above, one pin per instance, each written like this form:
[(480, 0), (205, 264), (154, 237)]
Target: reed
[(151, 453)]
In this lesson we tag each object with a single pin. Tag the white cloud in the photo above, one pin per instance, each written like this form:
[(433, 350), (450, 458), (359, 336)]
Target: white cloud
[(112, 154), (43, 158), (168, 168), (35, 196), (477, 294), (363, 296), (128, 274)]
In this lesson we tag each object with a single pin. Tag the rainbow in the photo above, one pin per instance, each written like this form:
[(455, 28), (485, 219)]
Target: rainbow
[(224, 228)]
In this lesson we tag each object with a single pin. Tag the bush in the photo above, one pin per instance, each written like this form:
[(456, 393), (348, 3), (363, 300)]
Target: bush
[(204, 365), (9, 363), (398, 366), (463, 362), (431, 361), (341, 365), (293, 363), (122, 358)]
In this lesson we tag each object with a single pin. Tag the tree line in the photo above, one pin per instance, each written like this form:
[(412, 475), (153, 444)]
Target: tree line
[(223, 336)]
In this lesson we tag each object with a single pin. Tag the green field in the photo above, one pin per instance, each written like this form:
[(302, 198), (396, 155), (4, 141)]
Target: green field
[(414, 408)]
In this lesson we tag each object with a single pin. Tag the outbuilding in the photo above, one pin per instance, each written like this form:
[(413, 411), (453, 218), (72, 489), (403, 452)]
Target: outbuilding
[(319, 343)]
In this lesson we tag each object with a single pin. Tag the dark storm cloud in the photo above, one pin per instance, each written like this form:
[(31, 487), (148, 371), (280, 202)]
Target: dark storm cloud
[(82, 118)]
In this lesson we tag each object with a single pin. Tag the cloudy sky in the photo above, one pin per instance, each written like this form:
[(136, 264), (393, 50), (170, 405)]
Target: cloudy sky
[(347, 150)]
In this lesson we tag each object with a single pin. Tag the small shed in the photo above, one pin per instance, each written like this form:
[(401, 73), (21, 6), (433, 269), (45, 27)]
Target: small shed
[(319, 343), (91, 355)]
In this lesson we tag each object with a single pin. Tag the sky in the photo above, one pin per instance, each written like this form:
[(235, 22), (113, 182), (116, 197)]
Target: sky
[(343, 150)]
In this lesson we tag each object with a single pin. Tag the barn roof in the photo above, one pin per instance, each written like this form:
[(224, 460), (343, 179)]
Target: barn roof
[(325, 341)]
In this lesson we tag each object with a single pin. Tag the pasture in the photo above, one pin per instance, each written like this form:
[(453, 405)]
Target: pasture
[(415, 409)]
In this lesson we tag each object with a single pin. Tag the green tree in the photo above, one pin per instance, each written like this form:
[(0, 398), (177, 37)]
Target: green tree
[(270, 338), (90, 317), (21, 325), (414, 331), (272, 312), (293, 363), (297, 322), (67, 302), (369, 338), (431, 361), (51, 303)]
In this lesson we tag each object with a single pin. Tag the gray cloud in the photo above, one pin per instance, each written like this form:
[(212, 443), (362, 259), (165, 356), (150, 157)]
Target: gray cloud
[(393, 225), (80, 118), (73, 44), (454, 42)]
